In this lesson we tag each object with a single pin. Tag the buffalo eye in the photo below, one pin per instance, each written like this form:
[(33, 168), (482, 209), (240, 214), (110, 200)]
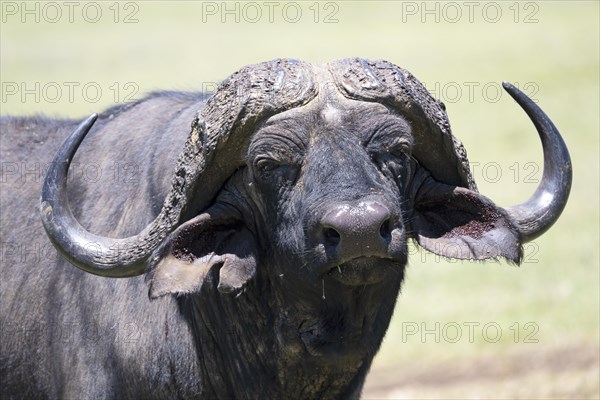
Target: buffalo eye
[(389, 139), (397, 152), (272, 171), (395, 162), (265, 166)]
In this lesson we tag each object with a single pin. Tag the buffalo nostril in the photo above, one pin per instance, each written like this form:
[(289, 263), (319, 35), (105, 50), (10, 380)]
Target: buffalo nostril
[(385, 230), (361, 229), (332, 237)]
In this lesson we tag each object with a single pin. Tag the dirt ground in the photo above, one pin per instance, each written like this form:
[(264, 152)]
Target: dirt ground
[(571, 372)]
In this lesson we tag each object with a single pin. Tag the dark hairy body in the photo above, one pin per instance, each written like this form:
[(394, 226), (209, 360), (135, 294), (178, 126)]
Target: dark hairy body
[(272, 268), (77, 317)]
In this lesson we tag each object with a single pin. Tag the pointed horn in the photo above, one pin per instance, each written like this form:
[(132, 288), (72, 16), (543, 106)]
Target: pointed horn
[(92, 253), (536, 215)]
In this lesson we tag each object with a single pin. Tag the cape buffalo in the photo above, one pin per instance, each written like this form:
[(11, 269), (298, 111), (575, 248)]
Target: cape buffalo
[(264, 247)]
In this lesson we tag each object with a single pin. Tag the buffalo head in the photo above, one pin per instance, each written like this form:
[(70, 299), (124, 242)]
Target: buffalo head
[(313, 178)]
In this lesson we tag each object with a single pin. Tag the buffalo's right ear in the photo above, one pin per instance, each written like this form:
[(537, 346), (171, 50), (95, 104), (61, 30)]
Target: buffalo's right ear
[(215, 239)]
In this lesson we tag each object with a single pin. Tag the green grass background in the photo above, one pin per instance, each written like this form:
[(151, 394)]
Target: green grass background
[(174, 46)]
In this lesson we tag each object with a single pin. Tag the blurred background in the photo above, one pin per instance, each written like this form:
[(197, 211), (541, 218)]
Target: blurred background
[(460, 329)]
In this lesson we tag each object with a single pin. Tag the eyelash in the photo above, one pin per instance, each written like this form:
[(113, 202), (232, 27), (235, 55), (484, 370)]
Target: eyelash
[(265, 164), (402, 148), (396, 150)]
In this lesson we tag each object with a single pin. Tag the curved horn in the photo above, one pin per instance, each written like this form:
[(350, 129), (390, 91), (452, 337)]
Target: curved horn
[(214, 149), (92, 253), (536, 215)]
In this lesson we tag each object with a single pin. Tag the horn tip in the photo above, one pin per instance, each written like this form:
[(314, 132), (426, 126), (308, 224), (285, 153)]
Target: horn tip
[(509, 87)]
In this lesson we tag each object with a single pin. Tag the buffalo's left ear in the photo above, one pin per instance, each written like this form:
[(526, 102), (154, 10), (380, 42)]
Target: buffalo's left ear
[(215, 239), (455, 222)]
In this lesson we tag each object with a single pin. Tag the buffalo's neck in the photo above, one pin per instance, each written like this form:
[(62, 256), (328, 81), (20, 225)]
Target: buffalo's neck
[(333, 328), (269, 340)]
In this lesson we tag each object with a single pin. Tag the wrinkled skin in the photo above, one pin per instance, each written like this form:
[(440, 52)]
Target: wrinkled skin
[(329, 305), (299, 173)]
